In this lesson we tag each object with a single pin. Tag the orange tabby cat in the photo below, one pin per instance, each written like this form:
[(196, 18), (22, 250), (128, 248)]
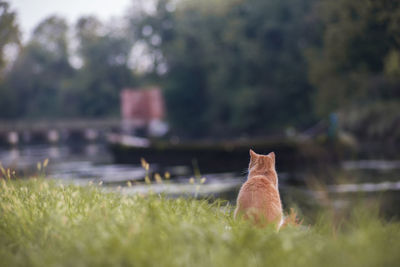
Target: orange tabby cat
[(258, 198)]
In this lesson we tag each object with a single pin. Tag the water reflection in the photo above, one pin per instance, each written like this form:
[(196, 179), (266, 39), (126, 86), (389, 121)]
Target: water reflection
[(93, 164), (384, 165)]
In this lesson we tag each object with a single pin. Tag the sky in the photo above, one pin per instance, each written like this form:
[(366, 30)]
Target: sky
[(31, 12)]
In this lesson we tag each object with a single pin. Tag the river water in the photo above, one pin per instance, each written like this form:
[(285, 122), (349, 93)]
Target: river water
[(337, 187)]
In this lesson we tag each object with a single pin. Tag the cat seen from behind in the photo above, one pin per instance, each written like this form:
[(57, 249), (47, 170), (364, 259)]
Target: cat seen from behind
[(259, 200)]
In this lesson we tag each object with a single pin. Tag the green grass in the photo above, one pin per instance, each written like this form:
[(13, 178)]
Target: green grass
[(45, 224)]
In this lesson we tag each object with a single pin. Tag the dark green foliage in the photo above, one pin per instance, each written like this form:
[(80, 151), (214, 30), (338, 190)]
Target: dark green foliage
[(358, 62), (227, 67), (9, 32), (94, 90), (9, 35), (36, 77), (42, 83), (235, 67)]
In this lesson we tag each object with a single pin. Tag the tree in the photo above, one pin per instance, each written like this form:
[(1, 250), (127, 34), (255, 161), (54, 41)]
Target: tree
[(9, 35), (9, 32), (38, 72), (233, 66), (358, 61), (104, 72)]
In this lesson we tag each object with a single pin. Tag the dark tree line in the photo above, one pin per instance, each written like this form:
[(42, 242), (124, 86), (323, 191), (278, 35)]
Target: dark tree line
[(226, 67), (43, 83)]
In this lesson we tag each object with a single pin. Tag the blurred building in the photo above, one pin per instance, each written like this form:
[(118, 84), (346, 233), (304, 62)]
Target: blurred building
[(143, 111)]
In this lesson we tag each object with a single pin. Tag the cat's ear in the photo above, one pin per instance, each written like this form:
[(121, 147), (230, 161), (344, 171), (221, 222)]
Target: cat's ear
[(253, 154), (253, 158), (272, 156)]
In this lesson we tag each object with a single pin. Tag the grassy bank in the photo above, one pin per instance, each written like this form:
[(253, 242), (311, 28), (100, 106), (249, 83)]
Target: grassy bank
[(42, 224)]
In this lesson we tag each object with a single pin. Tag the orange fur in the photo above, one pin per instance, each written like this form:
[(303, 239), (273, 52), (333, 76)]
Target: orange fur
[(258, 198)]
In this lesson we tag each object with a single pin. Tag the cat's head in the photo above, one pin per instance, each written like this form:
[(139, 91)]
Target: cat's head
[(262, 164)]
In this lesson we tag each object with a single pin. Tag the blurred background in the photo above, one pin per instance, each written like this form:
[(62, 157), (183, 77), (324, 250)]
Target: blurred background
[(192, 85)]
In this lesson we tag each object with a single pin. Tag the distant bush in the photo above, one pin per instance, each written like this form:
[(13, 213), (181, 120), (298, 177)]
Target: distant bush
[(379, 121)]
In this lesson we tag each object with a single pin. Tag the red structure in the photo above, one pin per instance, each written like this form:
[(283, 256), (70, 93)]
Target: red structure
[(141, 107)]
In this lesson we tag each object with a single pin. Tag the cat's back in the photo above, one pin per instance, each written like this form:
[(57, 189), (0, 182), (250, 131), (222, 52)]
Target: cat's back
[(257, 182), (258, 189), (258, 193)]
